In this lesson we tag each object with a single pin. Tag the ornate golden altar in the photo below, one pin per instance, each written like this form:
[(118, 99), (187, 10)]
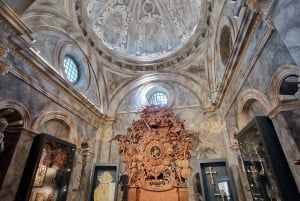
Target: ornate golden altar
[(156, 156)]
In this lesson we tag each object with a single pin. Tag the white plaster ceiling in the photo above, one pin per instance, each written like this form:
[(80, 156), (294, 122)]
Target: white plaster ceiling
[(143, 30)]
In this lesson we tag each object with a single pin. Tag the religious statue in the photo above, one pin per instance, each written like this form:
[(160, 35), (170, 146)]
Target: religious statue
[(105, 191), (3, 125)]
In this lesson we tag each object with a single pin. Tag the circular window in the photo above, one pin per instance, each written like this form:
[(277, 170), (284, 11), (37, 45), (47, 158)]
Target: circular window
[(71, 69), (159, 99)]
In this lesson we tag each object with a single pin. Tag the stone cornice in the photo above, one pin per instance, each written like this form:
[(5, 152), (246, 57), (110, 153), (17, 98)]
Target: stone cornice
[(13, 22), (284, 107), (19, 42)]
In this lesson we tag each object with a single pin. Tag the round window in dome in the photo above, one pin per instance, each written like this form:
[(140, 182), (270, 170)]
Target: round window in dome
[(159, 99), (71, 71)]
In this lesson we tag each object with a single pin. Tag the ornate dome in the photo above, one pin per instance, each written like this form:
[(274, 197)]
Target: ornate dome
[(143, 30)]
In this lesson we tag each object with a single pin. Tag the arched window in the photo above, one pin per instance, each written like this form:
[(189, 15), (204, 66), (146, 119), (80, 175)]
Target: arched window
[(71, 70)]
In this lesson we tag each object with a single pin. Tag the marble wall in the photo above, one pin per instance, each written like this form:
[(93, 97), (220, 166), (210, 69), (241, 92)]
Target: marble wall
[(256, 94), (209, 130)]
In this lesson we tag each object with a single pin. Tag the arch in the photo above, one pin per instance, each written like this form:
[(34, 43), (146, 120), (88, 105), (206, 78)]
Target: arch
[(218, 67), (195, 88), (57, 115), (278, 77), (20, 108), (246, 99)]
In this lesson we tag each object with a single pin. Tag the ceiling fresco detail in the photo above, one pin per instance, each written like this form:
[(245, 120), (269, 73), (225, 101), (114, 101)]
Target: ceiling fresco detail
[(144, 30)]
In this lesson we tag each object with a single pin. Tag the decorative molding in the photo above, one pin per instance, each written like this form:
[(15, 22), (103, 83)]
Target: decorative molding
[(263, 37), (11, 21), (251, 95), (20, 108), (287, 106), (79, 113), (108, 57), (247, 29), (57, 115), (280, 74), (32, 59), (244, 102)]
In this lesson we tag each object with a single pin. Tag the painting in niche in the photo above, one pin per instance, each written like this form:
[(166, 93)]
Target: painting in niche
[(105, 191), (155, 152)]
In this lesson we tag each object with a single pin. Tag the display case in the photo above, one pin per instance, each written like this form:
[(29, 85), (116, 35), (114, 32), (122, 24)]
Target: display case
[(104, 182), (265, 165), (47, 171), (216, 181)]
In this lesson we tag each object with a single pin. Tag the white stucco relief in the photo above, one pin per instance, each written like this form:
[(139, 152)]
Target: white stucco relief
[(144, 29)]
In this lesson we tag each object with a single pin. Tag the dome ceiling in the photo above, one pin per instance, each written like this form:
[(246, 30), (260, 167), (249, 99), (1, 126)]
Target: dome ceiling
[(143, 30)]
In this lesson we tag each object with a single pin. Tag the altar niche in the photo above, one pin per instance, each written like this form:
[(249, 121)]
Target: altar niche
[(48, 169), (156, 156)]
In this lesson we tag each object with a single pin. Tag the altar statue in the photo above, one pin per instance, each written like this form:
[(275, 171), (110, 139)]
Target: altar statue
[(105, 191)]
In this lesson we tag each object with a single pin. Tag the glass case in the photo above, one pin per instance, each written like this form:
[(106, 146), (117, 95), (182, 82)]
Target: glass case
[(47, 171), (265, 165)]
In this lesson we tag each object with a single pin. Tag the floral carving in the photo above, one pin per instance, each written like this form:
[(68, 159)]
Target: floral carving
[(154, 151)]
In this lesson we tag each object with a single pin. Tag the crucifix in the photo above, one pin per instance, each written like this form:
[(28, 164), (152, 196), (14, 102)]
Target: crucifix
[(211, 176)]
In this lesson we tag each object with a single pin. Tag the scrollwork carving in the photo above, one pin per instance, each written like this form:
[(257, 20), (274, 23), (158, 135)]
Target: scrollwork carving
[(154, 151)]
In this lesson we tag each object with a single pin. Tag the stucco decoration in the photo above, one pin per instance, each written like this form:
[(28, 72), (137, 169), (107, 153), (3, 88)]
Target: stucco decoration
[(144, 29)]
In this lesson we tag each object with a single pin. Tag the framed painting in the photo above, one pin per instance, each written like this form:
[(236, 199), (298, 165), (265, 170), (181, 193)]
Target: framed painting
[(104, 182)]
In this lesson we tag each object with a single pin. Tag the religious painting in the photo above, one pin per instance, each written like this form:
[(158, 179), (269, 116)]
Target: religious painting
[(47, 171), (40, 176), (155, 152), (104, 182)]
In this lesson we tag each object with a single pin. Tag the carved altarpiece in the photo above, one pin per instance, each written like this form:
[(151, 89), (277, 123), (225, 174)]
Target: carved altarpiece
[(156, 156)]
